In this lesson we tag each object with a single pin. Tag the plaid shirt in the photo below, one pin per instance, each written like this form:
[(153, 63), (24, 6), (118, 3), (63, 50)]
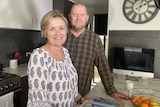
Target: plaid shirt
[(87, 51)]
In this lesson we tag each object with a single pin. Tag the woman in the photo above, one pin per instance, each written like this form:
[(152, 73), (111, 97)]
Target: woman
[(52, 77)]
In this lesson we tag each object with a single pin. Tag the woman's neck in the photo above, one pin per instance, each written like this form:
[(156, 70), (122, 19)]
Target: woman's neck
[(55, 52)]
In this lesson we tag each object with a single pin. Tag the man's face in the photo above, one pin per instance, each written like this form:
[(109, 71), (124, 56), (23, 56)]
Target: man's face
[(78, 17)]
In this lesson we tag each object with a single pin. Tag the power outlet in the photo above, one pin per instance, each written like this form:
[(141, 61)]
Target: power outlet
[(28, 54)]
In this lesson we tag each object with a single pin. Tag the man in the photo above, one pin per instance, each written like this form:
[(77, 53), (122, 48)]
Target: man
[(86, 51)]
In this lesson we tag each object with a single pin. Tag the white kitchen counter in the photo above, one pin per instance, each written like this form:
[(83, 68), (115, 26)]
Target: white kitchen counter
[(98, 90), (21, 70), (119, 82)]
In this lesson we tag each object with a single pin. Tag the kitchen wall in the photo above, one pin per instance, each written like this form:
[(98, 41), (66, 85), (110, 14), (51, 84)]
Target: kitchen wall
[(140, 39), (20, 27), (92, 11), (12, 40), (117, 20), (124, 33)]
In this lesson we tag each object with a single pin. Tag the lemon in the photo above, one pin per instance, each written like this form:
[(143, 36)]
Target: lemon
[(154, 104)]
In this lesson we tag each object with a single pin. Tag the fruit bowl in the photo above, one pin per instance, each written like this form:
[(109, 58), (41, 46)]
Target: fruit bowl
[(144, 97)]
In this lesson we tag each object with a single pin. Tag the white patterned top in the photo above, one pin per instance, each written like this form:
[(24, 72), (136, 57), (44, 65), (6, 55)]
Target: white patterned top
[(52, 83)]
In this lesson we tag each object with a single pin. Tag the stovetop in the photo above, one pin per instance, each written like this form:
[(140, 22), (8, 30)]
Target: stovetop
[(4, 75), (9, 82)]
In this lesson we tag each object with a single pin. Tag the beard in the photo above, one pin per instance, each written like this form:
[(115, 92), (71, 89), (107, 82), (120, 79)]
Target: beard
[(79, 28)]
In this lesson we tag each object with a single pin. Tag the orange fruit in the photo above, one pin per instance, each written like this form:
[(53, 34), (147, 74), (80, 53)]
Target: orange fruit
[(138, 102), (143, 105), (146, 101), (143, 98), (133, 99)]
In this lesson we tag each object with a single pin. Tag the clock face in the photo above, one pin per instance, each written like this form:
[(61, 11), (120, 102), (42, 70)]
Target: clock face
[(139, 11)]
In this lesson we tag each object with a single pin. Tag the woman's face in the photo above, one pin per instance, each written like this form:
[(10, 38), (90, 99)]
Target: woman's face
[(56, 32)]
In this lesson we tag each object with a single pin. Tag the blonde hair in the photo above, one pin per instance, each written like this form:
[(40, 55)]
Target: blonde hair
[(47, 17)]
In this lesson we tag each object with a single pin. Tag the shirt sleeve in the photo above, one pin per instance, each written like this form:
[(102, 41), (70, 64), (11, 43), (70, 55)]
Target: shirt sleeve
[(37, 79), (103, 68)]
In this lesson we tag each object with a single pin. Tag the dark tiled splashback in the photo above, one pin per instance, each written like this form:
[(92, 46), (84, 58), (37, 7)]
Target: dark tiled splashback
[(12, 40), (142, 39)]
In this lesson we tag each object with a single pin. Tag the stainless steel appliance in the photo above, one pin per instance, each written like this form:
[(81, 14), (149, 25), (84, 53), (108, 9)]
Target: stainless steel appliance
[(9, 82)]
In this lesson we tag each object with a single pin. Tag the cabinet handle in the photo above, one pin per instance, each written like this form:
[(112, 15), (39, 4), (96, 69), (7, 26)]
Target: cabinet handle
[(32, 22), (36, 22)]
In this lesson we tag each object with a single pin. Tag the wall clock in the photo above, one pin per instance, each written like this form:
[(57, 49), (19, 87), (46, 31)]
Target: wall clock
[(139, 11)]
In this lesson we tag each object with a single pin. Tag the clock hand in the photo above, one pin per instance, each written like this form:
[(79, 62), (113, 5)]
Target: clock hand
[(139, 5), (141, 2), (142, 6)]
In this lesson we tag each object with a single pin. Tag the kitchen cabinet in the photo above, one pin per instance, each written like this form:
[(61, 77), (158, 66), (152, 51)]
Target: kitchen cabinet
[(23, 14), (21, 97), (59, 5), (63, 6)]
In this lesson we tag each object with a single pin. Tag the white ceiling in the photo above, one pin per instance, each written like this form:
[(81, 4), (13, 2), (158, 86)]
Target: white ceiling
[(94, 3)]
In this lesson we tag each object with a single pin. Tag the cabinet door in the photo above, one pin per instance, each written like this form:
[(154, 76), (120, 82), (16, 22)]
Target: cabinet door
[(21, 97), (39, 9), (13, 14), (23, 14), (67, 7), (63, 6), (59, 5)]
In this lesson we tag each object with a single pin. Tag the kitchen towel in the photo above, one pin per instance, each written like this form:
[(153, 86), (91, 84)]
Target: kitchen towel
[(7, 100)]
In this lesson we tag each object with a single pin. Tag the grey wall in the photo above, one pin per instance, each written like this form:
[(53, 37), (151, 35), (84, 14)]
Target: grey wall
[(142, 39), (12, 40)]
